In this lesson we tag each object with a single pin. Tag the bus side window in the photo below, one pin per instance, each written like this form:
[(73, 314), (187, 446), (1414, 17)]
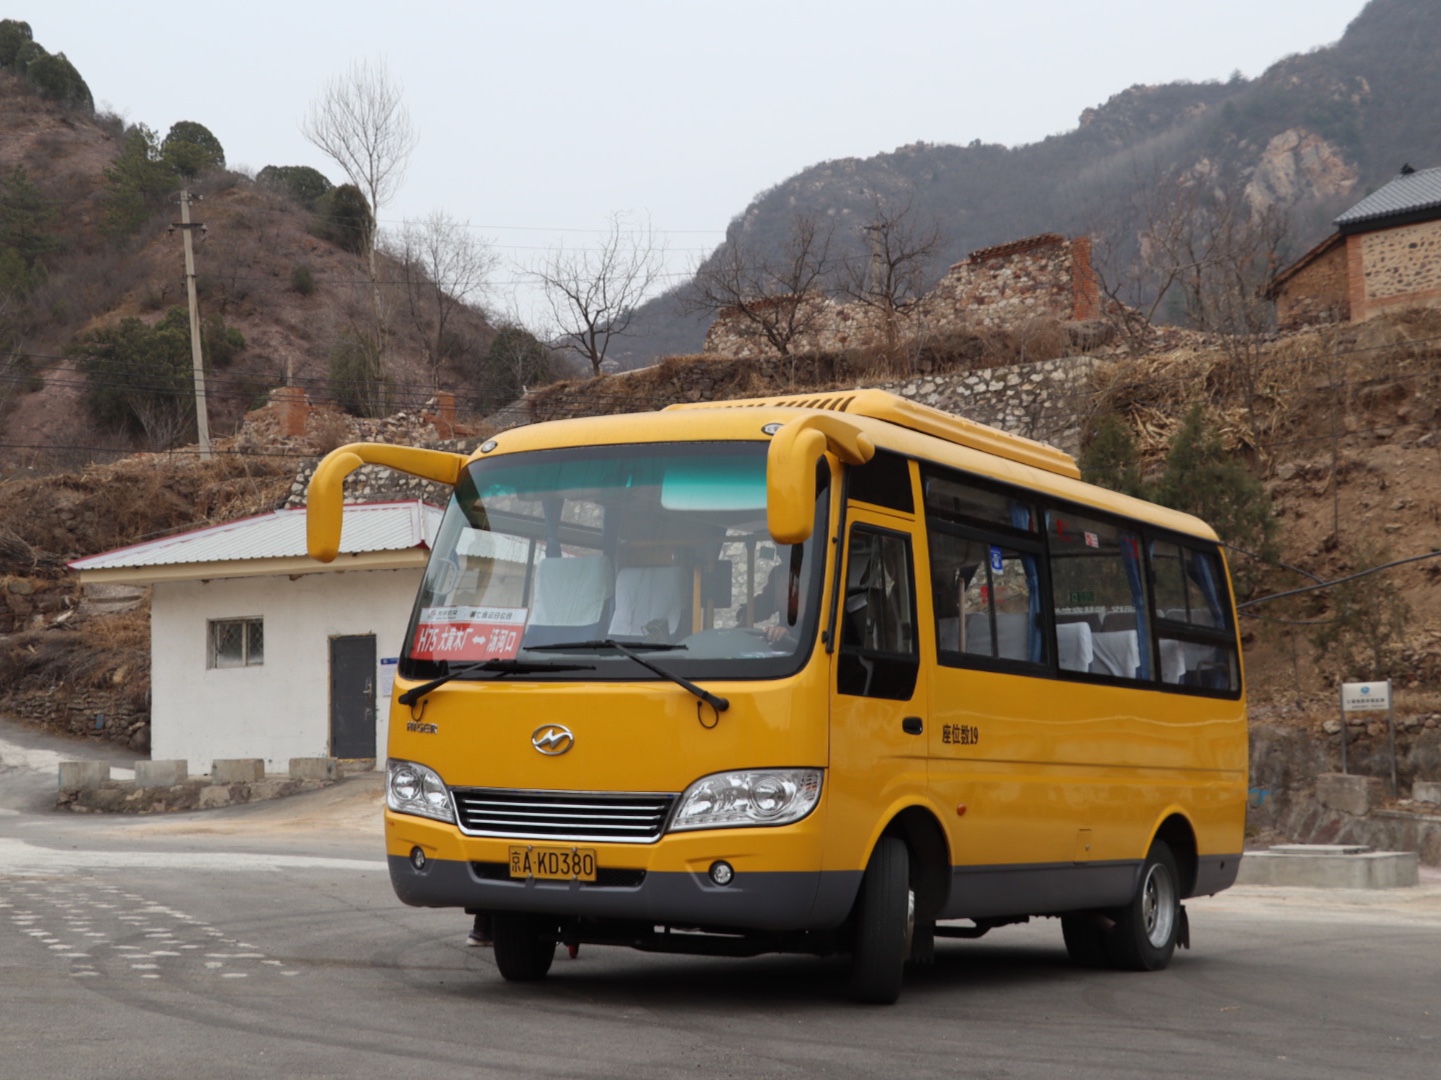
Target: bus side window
[(878, 654), (1097, 571)]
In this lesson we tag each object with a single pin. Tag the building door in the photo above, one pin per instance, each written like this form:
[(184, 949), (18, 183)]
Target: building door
[(352, 696)]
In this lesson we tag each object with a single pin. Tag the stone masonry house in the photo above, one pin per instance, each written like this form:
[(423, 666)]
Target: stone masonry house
[(1041, 277), (1385, 253), (258, 651)]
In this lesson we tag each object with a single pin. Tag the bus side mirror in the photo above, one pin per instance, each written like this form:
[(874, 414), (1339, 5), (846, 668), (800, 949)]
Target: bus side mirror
[(325, 498), (791, 470)]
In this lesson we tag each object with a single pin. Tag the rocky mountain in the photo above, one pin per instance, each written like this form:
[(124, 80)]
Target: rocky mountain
[(1311, 135)]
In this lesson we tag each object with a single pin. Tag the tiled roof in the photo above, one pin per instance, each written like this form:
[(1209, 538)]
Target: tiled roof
[(1409, 193), (279, 535)]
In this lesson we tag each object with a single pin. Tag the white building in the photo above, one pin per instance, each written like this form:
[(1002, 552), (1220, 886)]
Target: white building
[(258, 651)]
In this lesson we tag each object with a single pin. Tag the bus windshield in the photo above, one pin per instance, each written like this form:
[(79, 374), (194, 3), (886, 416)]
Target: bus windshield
[(545, 559)]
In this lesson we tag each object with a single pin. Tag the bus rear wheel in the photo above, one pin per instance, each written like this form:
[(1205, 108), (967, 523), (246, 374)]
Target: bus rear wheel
[(884, 924), (524, 946), (1146, 930)]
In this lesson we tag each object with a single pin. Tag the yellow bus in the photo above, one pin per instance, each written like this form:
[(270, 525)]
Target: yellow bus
[(826, 674)]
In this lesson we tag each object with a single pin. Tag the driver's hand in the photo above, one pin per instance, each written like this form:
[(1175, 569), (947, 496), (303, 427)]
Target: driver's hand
[(776, 634)]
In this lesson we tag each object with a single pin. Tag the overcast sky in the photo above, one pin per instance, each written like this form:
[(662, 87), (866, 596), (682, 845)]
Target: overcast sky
[(539, 119)]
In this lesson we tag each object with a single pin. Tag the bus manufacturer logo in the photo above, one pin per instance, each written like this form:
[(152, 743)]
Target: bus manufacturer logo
[(552, 740)]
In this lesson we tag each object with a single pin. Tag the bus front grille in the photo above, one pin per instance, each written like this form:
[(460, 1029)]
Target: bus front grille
[(562, 815)]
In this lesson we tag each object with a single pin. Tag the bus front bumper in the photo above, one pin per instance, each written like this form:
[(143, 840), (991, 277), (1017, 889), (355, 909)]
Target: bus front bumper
[(765, 900), (776, 881)]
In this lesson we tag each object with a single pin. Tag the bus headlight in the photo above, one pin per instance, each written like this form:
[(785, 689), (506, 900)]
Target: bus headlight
[(415, 789), (753, 797)]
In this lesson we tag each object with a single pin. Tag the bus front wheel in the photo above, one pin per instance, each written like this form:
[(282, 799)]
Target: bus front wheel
[(1146, 929), (884, 924), (524, 946)]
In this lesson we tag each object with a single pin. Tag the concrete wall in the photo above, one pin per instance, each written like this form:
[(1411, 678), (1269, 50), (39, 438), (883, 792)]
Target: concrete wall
[(280, 709)]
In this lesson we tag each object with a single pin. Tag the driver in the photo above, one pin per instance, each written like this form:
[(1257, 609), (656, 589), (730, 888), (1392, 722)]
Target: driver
[(773, 601)]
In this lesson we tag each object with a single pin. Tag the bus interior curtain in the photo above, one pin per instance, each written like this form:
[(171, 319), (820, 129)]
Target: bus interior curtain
[(1035, 642), (1131, 560), (1203, 573)]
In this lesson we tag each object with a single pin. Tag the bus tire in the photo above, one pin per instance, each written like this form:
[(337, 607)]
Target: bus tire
[(524, 946), (884, 923), (1146, 929), (1085, 938)]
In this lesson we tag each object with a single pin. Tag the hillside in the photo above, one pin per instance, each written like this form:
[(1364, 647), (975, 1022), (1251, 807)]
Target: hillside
[(267, 266), (1310, 136)]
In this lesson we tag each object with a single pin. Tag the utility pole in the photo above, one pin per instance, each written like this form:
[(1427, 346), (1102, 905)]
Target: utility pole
[(202, 420)]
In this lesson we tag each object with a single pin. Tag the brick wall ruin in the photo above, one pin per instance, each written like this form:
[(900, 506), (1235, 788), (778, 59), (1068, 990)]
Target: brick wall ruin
[(1316, 290), (1042, 277)]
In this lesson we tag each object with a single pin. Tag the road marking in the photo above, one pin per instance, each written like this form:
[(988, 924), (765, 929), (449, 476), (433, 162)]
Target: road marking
[(20, 858)]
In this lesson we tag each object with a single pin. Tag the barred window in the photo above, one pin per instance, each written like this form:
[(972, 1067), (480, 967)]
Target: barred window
[(236, 643)]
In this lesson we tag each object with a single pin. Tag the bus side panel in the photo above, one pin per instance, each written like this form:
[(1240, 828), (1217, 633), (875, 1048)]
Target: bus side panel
[(1060, 785)]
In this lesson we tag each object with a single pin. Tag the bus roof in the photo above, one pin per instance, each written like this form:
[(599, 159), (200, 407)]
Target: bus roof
[(894, 423)]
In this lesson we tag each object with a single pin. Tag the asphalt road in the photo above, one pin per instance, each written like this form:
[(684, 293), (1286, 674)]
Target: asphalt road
[(265, 942)]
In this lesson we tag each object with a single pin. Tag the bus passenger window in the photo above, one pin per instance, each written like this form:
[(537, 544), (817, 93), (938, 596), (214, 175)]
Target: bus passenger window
[(1193, 618), (986, 601), (1098, 579), (878, 654)]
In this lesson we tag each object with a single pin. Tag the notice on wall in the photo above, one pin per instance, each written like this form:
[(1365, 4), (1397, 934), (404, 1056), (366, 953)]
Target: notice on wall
[(1366, 696), (386, 683)]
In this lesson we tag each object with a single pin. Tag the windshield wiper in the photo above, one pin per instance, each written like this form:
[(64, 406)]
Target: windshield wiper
[(500, 667), (715, 701), (596, 644)]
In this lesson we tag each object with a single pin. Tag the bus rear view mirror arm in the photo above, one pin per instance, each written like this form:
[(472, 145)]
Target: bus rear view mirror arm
[(325, 498), (791, 470)]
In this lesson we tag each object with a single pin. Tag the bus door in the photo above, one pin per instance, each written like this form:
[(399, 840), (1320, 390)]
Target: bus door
[(878, 740)]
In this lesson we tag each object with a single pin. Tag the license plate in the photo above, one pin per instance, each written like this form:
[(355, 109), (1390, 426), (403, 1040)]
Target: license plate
[(552, 863)]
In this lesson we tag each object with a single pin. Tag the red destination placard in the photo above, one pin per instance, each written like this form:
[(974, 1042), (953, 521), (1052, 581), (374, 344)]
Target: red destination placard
[(468, 633)]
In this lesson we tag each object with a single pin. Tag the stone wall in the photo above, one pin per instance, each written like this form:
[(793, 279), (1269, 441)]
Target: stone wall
[(1047, 401), (1043, 277), (379, 483), (1399, 266), (111, 714)]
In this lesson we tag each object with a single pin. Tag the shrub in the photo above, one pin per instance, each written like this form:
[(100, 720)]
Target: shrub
[(302, 281), (1111, 458), (55, 78), (357, 375), (1202, 478), (141, 377), (13, 35), (301, 183), (190, 149), (346, 219), (136, 182)]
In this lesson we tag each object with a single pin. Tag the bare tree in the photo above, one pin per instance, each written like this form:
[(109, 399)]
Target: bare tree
[(892, 279), (779, 296), (360, 123), (593, 292), (1191, 246), (444, 268)]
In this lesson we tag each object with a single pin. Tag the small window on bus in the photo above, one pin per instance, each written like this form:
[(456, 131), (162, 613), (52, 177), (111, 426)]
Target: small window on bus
[(885, 480), (951, 497), (1098, 575)]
